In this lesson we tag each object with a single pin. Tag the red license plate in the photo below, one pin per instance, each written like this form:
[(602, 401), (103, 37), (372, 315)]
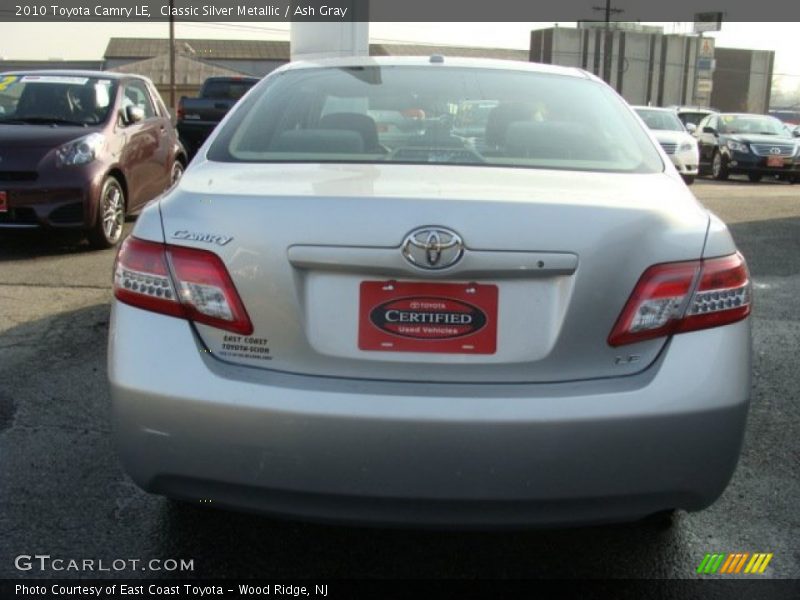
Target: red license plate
[(3, 202), (774, 161), (448, 318)]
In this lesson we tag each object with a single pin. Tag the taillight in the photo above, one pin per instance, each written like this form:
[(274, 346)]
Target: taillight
[(180, 112), (722, 295), (686, 296), (181, 282)]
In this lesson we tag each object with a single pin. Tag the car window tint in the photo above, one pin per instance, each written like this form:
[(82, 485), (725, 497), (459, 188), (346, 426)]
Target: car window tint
[(226, 90), (39, 97), (751, 124), (693, 117), (660, 120), (420, 115)]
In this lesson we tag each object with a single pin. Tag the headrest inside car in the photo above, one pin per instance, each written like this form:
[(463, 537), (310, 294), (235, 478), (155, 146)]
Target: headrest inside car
[(319, 141), (557, 140)]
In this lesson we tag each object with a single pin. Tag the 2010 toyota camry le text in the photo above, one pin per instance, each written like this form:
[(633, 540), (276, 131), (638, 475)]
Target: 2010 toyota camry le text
[(431, 291)]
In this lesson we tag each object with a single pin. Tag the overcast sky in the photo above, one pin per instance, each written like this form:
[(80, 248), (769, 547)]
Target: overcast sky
[(41, 41)]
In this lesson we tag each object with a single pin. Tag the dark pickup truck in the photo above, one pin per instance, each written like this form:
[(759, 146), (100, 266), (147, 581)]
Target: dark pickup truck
[(197, 117)]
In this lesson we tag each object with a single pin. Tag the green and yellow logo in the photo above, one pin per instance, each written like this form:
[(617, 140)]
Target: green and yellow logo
[(734, 563)]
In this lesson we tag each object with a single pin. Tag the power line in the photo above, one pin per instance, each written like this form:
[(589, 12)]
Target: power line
[(608, 10)]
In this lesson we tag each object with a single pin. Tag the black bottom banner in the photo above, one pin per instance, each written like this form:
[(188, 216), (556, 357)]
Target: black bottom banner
[(109, 589)]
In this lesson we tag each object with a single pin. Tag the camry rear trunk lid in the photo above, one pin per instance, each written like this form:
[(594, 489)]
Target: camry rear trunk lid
[(333, 265)]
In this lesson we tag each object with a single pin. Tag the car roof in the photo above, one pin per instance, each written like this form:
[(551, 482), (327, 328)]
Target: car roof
[(437, 61), (232, 78), (655, 108), (739, 114), (697, 109), (76, 73)]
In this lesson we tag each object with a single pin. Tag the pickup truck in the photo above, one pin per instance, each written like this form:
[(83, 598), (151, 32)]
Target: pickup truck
[(197, 117)]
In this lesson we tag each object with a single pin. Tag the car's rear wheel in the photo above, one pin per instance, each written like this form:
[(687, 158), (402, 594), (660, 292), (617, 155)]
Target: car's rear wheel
[(719, 169), (754, 177), (688, 179), (107, 230)]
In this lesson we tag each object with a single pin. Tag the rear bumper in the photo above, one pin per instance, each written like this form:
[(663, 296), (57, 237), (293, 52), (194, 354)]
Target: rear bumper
[(385, 452)]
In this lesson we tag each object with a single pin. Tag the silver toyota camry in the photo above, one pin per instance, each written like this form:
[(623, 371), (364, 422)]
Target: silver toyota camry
[(431, 291)]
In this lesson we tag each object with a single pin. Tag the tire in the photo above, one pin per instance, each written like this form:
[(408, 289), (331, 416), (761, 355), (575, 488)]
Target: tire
[(719, 168), (176, 172), (754, 177), (107, 230), (688, 179)]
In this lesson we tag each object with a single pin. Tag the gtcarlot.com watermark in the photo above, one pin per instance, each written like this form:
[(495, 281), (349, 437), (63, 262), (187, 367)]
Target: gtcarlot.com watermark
[(35, 563)]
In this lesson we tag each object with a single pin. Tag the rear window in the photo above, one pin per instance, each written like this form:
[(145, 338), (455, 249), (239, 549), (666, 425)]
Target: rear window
[(425, 115), (693, 118), (227, 90)]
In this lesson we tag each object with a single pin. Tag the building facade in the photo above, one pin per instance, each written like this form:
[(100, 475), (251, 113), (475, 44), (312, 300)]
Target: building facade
[(649, 67)]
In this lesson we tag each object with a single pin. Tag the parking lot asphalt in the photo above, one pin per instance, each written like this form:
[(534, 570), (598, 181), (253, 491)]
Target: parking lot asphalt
[(63, 493)]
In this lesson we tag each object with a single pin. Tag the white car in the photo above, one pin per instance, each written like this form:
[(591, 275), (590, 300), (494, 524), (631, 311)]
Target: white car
[(676, 141)]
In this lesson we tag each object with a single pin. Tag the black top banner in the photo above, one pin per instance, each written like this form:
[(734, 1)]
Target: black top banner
[(392, 10)]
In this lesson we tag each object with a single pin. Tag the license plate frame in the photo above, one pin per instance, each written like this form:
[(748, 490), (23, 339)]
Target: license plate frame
[(401, 316), (775, 161)]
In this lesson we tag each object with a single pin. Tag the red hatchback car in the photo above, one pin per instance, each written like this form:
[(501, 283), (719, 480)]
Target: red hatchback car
[(81, 149)]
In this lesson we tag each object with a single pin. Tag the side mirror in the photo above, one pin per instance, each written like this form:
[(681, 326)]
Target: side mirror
[(691, 127), (796, 132), (132, 114), (709, 130)]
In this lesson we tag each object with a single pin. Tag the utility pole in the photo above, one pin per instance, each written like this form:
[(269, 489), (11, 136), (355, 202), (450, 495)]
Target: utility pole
[(171, 58), (608, 43)]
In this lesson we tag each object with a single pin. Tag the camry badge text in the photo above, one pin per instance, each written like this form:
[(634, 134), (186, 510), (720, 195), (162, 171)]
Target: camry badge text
[(208, 238)]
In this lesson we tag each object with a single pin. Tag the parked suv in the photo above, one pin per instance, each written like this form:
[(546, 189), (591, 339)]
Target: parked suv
[(748, 144), (81, 149)]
